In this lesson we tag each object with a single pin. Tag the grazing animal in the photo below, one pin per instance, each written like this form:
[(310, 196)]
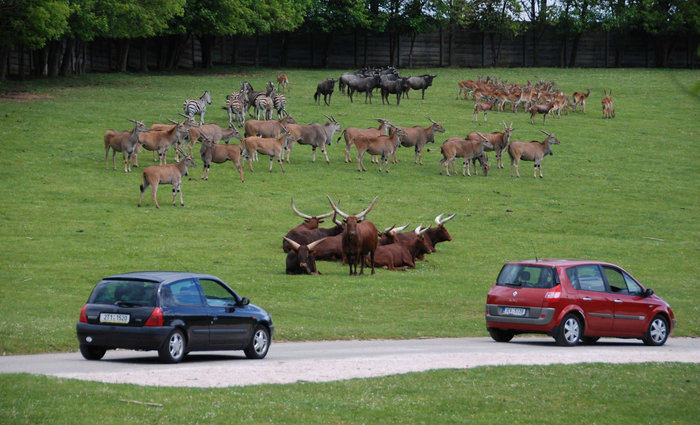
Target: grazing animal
[(125, 142), (283, 82), (484, 107), (364, 84), (235, 109), (378, 145), (499, 141), (467, 149), (274, 147), (310, 221), (194, 107), (280, 104), (607, 102), (160, 141), (541, 109), (580, 100), (300, 259), (325, 88), (308, 231), (264, 105), (359, 238), (396, 87), (531, 151), (351, 133), (267, 128), (165, 174), (316, 135), (218, 154), (420, 83), (418, 137)]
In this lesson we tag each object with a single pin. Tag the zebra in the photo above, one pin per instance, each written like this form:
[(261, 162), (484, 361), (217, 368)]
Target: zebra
[(194, 107), (280, 103), (265, 105), (235, 107)]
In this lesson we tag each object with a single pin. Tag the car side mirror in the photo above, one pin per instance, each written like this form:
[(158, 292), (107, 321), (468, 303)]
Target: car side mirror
[(244, 301), (648, 292)]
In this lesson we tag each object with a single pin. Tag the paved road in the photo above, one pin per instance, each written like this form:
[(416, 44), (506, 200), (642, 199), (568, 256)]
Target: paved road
[(336, 360)]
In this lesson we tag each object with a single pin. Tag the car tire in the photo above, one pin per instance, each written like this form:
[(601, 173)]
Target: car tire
[(657, 333), (174, 348), (501, 335), (90, 352), (590, 340), (570, 331), (259, 343)]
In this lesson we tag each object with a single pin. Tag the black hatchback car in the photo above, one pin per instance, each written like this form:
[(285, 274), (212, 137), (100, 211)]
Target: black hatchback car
[(172, 312)]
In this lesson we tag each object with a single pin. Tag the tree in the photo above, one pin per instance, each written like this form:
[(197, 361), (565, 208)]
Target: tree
[(329, 16), (574, 18), (495, 18)]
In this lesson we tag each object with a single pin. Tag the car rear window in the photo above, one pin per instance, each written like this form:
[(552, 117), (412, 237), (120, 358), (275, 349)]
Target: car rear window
[(527, 275), (124, 292)]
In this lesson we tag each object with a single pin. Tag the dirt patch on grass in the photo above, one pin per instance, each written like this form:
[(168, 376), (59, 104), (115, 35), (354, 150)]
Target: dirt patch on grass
[(19, 96)]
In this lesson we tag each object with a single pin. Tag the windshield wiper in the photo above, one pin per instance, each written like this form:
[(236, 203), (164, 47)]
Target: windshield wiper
[(128, 304)]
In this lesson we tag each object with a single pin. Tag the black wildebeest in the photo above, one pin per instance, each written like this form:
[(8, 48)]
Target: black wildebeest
[(364, 84), (325, 88), (420, 83), (396, 86), (359, 238)]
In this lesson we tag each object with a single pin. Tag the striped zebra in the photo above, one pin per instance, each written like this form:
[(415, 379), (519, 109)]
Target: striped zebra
[(280, 103), (265, 105), (194, 107), (235, 108)]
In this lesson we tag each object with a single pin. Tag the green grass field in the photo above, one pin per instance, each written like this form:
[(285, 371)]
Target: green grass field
[(623, 190)]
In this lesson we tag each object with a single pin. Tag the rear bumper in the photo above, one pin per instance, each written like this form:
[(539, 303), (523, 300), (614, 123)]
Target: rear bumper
[(134, 338), (535, 317)]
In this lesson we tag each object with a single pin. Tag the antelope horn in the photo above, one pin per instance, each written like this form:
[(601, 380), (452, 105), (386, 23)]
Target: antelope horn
[(292, 243), (431, 120), (362, 215), (335, 208), (548, 134), (182, 152), (129, 119), (173, 121), (482, 136), (314, 243), (299, 213)]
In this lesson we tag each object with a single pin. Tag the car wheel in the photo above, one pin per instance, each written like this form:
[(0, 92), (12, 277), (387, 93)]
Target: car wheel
[(501, 335), (570, 331), (91, 352), (657, 332), (590, 340), (174, 348), (259, 344)]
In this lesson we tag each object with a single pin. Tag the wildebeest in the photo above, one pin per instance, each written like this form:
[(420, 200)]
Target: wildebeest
[(364, 84), (420, 83), (325, 88), (359, 238), (300, 259), (396, 86)]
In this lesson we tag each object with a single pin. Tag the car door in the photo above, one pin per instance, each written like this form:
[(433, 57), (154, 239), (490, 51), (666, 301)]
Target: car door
[(229, 323), (182, 301), (592, 296), (630, 306)]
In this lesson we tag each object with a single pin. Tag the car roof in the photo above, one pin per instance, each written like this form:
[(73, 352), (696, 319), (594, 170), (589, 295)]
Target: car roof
[(160, 276), (560, 262)]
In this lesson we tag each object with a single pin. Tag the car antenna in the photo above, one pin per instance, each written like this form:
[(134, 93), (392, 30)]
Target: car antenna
[(537, 260)]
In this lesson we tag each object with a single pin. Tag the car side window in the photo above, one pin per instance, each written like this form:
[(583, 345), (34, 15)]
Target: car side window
[(616, 280), (183, 294), (588, 277), (216, 294), (633, 288)]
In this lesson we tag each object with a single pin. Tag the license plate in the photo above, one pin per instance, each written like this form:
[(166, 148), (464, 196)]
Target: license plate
[(122, 319), (513, 311)]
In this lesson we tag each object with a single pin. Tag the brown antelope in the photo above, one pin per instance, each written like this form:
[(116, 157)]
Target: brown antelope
[(467, 149), (466, 87), (541, 109), (418, 137), (282, 82), (166, 174), (125, 142), (378, 145), (218, 154), (499, 141), (484, 107), (274, 147), (350, 133), (608, 109), (161, 140), (580, 100), (531, 151)]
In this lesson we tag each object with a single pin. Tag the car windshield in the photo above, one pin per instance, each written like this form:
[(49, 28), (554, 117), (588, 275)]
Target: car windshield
[(527, 275), (125, 293)]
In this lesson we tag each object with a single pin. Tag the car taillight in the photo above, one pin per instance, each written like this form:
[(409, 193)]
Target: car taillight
[(83, 316), (553, 294), (156, 318)]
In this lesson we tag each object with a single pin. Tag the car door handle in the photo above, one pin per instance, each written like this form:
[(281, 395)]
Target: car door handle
[(587, 298), (618, 301)]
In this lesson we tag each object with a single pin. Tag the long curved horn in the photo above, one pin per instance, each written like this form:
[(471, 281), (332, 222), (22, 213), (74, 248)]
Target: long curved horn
[(173, 121), (299, 213), (431, 120), (292, 243), (314, 243), (548, 134), (440, 221), (129, 119), (482, 136), (362, 215), (402, 228), (389, 229), (335, 208), (420, 231)]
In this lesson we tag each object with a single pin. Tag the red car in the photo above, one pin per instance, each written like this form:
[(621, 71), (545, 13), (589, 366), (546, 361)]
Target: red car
[(575, 301)]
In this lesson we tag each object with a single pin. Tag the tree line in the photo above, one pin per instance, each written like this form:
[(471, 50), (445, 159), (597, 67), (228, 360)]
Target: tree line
[(56, 32)]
